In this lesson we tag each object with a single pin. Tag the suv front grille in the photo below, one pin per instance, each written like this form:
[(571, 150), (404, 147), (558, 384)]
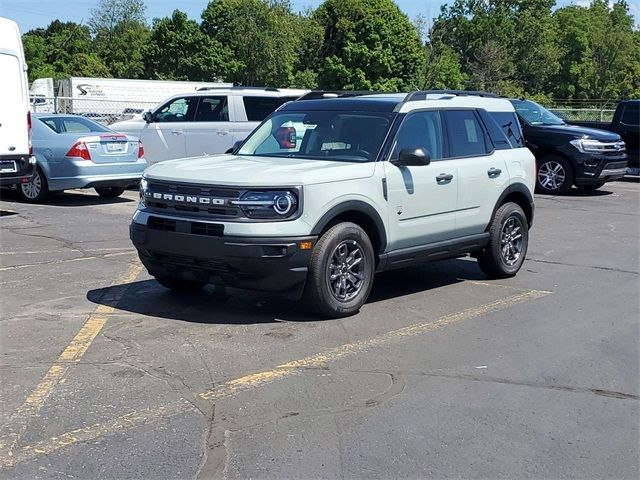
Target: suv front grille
[(194, 201)]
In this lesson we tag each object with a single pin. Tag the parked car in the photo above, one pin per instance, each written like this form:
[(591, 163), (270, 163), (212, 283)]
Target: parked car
[(568, 155), (375, 183), (16, 157), (204, 122), (626, 123), (75, 152)]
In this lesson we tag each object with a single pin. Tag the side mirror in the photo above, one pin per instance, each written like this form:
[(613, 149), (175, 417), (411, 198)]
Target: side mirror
[(235, 147), (147, 117), (412, 157)]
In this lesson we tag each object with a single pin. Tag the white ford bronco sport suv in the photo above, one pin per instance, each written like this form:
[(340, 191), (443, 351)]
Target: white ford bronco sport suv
[(326, 192)]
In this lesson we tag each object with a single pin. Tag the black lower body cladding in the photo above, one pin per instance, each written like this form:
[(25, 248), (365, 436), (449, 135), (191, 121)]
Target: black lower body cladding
[(267, 264)]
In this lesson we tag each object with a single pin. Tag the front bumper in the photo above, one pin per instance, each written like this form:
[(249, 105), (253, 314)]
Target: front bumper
[(200, 251), (595, 169)]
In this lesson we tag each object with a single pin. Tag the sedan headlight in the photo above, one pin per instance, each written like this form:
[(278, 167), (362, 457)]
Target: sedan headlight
[(273, 204)]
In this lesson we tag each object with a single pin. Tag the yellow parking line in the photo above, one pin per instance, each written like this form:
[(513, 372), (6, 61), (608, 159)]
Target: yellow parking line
[(19, 422), (259, 379)]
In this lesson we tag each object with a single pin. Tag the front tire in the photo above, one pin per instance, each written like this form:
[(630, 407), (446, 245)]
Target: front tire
[(178, 284), (109, 192), (508, 243), (36, 190), (340, 271), (554, 175)]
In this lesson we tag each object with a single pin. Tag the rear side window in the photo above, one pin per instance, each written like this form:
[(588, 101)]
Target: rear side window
[(631, 114), (510, 125), (259, 108), (213, 109), (466, 137)]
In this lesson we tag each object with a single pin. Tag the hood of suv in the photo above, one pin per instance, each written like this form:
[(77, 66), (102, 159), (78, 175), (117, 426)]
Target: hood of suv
[(257, 171), (575, 131)]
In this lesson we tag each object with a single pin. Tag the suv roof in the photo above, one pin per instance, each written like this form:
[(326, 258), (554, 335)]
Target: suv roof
[(399, 102)]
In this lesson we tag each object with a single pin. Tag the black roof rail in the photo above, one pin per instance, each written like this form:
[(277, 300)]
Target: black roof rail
[(320, 94), (237, 87), (422, 94)]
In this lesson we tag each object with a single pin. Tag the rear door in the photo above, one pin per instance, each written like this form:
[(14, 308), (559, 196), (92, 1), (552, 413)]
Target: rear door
[(210, 131), (482, 171), (14, 137)]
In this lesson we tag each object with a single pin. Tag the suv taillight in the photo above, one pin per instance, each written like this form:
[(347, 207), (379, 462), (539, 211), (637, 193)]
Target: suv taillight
[(30, 133), (140, 149), (79, 150)]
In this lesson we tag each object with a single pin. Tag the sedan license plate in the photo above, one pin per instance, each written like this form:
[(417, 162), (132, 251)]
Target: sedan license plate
[(115, 147)]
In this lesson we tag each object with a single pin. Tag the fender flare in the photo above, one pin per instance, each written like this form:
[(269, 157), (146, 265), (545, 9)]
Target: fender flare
[(354, 206), (516, 188)]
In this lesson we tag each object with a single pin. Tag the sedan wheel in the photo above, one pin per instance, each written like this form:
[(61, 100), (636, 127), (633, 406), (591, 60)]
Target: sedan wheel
[(35, 190)]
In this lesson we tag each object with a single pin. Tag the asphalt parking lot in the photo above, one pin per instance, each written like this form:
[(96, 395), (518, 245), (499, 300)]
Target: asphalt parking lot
[(443, 374)]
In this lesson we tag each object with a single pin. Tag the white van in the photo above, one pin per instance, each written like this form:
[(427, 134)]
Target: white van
[(16, 152)]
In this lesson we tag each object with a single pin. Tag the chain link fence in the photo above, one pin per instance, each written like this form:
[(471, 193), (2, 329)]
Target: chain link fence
[(109, 111), (101, 110)]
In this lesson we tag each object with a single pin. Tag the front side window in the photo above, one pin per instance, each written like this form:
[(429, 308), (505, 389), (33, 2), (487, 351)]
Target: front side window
[(535, 114), (320, 135), (176, 110), (466, 137), (212, 109), (421, 130)]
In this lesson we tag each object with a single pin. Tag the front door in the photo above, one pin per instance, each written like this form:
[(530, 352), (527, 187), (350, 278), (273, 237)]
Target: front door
[(422, 199), (164, 138)]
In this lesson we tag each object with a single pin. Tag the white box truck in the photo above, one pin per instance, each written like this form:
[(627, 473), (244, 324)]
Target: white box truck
[(16, 152), (107, 98)]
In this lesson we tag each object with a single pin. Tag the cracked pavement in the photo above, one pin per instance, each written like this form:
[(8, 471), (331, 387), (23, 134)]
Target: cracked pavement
[(541, 387)]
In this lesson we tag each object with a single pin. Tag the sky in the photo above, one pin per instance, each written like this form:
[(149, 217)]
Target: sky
[(32, 14)]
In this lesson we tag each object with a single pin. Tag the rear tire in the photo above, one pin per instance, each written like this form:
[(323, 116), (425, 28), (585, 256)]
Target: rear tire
[(109, 192), (554, 175), (508, 242), (340, 271), (178, 284), (590, 188), (36, 190)]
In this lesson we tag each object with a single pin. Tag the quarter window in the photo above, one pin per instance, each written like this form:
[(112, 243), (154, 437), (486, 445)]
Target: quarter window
[(466, 137), (212, 109), (631, 114), (421, 130), (510, 125), (259, 108)]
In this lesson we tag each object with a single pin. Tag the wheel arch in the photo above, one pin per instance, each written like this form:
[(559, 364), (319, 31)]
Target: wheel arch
[(519, 194), (360, 213)]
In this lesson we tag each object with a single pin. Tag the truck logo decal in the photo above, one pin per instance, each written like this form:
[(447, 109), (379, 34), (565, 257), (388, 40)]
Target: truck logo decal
[(192, 199)]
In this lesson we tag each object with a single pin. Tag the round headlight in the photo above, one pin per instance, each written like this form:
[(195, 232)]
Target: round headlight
[(283, 204)]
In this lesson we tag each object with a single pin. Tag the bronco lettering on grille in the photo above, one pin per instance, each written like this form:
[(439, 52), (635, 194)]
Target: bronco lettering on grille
[(185, 199)]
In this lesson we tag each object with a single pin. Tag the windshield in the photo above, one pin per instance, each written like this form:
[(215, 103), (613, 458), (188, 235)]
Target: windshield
[(61, 124), (326, 135), (535, 114)]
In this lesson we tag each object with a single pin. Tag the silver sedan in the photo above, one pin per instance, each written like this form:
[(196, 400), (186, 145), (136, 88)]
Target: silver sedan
[(75, 152)]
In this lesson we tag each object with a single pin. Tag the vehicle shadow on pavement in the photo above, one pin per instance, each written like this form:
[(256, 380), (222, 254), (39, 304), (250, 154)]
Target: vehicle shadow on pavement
[(147, 297), (576, 192), (67, 199)]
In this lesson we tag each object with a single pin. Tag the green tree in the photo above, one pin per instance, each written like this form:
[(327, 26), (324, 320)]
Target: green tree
[(368, 44), (121, 34), (62, 49), (600, 51), (261, 36), (179, 50)]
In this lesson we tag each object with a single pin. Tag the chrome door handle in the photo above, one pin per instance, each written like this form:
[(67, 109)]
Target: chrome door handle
[(444, 178), (494, 172), (176, 132), (223, 132)]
